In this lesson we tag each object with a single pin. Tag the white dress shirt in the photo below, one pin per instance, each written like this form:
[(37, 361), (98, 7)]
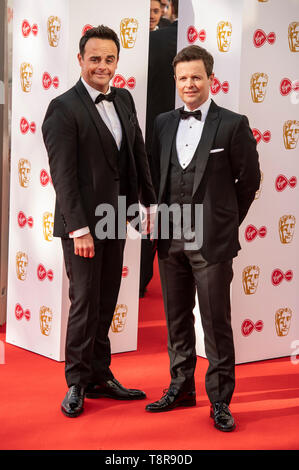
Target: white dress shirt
[(110, 117), (189, 134)]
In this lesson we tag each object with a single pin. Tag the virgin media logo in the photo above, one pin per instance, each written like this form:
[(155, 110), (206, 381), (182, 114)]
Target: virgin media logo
[(45, 178), (86, 28), (217, 86), (20, 313), (193, 35), (23, 220), (125, 271), (264, 136), (48, 81), (43, 273), (260, 38), (25, 126), (278, 276), (27, 29), (251, 232), (248, 326), (286, 86), (120, 82), (282, 182)]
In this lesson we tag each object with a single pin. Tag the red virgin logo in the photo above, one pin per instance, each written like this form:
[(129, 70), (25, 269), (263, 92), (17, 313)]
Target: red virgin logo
[(260, 37), (48, 81), (45, 178), (286, 86), (86, 28), (120, 82), (27, 29), (193, 35), (23, 220), (20, 313), (251, 232), (258, 135), (282, 182), (43, 274), (218, 86), (25, 126), (277, 276), (248, 326), (125, 271)]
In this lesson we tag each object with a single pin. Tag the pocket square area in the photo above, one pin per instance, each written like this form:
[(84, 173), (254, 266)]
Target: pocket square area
[(216, 150)]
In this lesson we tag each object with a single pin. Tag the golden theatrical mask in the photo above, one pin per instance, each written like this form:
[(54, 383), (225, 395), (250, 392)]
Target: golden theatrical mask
[(250, 279), (293, 35), (21, 265), (128, 32), (45, 319), (26, 73), (283, 321), (224, 35), (48, 224), (258, 85), (286, 228), (24, 171), (54, 26), (119, 318), (290, 134), (258, 192)]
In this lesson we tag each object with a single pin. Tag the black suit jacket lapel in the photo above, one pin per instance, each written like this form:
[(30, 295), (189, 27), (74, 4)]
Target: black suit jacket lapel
[(104, 134), (168, 134), (203, 149), (125, 115)]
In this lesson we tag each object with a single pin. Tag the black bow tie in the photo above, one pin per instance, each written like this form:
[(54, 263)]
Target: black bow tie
[(186, 114), (101, 97)]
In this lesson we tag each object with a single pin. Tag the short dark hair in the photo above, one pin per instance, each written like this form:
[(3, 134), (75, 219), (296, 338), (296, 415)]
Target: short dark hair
[(175, 6), (193, 52), (101, 32)]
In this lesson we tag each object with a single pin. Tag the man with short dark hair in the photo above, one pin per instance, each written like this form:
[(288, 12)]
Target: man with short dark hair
[(96, 154), (205, 161)]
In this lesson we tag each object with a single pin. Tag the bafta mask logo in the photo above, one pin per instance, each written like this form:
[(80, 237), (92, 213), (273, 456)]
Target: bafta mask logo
[(54, 26), (258, 192), (45, 319), (119, 318), (283, 321), (250, 279), (26, 73), (286, 228), (258, 85), (224, 35), (21, 265), (293, 36), (48, 224), (290, 134), (24, 171), (128, 32)]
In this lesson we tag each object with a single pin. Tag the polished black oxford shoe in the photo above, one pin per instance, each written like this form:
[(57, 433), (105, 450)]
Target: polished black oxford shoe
[(171, 399), (222, 416), (72, 405), (113, 389)]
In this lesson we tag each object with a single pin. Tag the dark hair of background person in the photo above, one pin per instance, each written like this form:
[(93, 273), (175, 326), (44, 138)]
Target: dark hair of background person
[(175, 5), (190, 53), (100, 32)]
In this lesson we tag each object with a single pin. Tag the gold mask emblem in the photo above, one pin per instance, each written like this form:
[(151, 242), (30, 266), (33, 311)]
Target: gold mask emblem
[(128, 32), (48, 223), (46, 318), (283, 321), (26, 73), (21, 265), (24, 171), (54, 26), (293, 36), (250, 279), (119, 318), (286, 228), (290, 134), (224, 35), (258, 85)]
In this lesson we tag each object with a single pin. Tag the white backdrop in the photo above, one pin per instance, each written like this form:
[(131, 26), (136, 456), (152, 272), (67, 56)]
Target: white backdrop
[(263, 38), (44, 42)]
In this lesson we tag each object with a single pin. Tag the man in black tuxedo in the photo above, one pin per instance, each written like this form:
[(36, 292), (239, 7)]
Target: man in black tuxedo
[(96, 154), (205, 161)]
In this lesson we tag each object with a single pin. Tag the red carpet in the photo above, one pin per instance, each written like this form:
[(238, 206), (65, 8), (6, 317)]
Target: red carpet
[(265, 403)]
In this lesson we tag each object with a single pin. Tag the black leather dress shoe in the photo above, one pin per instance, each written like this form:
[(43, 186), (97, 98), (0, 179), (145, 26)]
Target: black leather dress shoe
[(72, 405), (171, 399), (223, 419), (113, 389)]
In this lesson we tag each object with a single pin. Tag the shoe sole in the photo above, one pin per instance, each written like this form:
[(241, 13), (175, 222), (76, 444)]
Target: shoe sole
[(183, 403), (71, 415), (96, 395)]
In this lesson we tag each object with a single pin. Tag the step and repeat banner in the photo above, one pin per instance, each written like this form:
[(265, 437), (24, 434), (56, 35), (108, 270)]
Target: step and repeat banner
[(255, 45), (45, 46)]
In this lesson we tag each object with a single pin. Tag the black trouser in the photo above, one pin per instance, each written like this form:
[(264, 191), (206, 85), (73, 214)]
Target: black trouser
[(181, 274), (93, 292)]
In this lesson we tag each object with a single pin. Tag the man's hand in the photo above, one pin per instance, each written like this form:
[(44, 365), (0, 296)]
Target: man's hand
[(84, 246)]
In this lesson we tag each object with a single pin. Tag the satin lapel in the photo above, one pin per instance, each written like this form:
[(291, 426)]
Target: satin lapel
[(166, 140), (125, 115), (203, 149), (105, 135)]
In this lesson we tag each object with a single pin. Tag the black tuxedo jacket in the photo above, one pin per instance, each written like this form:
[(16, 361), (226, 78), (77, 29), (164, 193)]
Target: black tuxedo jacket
[(225, 180), (82, 158)]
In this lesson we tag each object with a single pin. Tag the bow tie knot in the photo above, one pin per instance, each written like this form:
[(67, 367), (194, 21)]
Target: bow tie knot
[(187, 114), (109, 97)]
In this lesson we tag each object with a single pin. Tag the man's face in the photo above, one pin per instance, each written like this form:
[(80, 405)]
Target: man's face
[(192, 83), (99, 63), (155, 14)]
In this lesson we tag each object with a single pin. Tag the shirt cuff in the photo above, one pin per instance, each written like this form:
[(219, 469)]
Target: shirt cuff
[(79, 233)]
